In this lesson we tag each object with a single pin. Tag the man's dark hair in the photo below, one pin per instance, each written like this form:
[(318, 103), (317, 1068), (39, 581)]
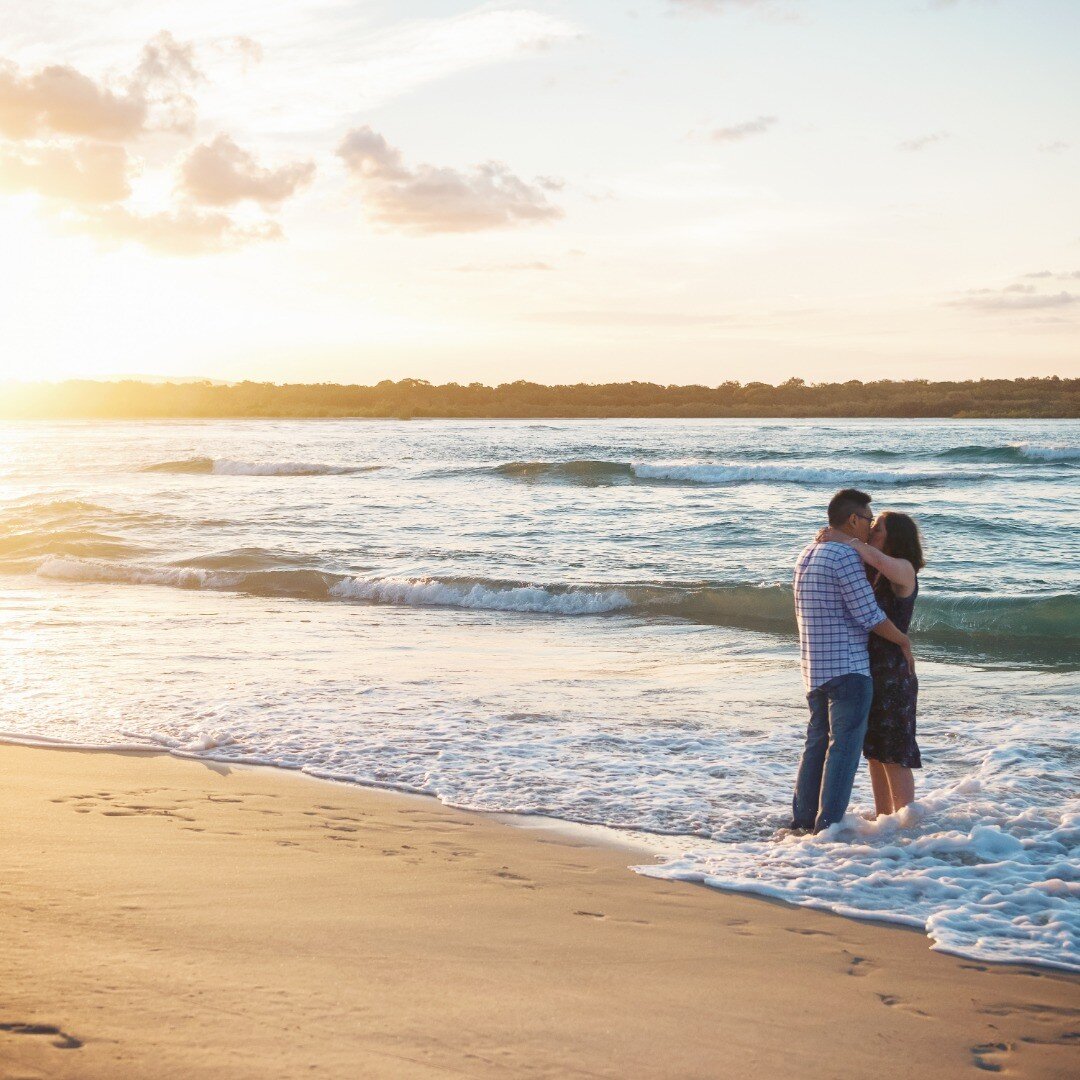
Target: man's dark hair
[(845, 503)]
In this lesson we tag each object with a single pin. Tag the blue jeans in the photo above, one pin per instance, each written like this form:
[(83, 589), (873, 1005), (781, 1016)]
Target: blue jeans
[(834, 739)]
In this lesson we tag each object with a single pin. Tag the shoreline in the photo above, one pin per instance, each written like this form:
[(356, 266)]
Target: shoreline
[(190, 918), (587, 834)]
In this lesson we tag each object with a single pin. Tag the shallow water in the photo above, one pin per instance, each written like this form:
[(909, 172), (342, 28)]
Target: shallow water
[(589, 620)]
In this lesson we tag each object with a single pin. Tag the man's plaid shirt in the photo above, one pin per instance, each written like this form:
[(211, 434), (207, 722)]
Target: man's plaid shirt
[(836, 610)]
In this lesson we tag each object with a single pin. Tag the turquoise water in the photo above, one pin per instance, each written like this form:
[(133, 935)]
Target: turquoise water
[(584, 619)]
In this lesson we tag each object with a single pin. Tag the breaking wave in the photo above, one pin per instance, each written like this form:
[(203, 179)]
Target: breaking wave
[(228, 467), (612, 472), (1014, 453), (483, 595), (1030, 629)]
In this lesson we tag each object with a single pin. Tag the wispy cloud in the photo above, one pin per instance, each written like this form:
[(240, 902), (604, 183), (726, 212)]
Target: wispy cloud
[(384, 65), (1013, 298), (1060, 275), (737, 132), (920, 142), (439, 199), (221, 173)]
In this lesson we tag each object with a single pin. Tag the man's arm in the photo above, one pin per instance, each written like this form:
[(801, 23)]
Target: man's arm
[(855, 591), (862, 605), (889, 632), (898, 571)]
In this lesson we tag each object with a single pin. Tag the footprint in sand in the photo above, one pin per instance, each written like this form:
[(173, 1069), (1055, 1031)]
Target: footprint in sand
[(737, 927), (508, 875), (990, 1057), (893, 1002), (61, 1039), (858, 966)]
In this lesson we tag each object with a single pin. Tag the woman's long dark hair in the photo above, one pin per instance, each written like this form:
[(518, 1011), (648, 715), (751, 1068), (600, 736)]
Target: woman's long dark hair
[(902, 539)]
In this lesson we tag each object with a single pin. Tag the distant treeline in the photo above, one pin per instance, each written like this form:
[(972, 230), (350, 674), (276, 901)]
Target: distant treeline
[(408, 398)]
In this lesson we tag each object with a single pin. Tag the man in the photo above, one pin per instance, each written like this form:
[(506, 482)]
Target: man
[(836, 611)]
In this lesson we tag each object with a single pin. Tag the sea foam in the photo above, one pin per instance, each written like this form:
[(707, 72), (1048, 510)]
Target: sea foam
[(984, 872), (429, 592)]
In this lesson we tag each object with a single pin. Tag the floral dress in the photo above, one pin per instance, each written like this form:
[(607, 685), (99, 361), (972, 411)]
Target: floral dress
[(890, 731)]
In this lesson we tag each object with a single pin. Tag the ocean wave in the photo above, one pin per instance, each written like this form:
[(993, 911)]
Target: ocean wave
[(295, 584), (306, 584), (996, 626), (1007, 453), (16, 547), (228, 467), (179, 577), (1013, 453), (587, 472), (482, 595), (34, 512), (785, 474), (574, 471), (1030, 629)]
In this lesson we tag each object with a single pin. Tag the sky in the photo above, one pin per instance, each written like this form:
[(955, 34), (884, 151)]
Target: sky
[(677, 191)]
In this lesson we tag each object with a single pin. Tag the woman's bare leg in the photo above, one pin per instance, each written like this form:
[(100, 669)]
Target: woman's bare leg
[(901, 784), (879, 781)]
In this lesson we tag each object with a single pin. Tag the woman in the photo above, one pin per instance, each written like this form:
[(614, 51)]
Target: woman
[(895, 555)]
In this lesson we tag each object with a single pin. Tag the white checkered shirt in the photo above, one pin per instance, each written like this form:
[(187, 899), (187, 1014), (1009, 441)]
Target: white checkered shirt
[(836, 610)]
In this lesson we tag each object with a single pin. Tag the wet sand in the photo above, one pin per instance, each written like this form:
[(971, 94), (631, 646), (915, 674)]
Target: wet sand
[(171, 918)]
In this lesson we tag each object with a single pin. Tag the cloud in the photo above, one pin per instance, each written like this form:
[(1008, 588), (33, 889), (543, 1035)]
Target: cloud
[(166, 71), (248, 49), (220, 173), (736, 132), (1013, 298), (1062, 275), (59, 100), (922, 141), (439, 199), (183, 231), (84, 173), (1054, 147), (66, 142)]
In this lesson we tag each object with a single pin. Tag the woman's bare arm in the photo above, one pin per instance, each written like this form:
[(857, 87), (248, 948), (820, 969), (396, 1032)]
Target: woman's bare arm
[(899, 571)]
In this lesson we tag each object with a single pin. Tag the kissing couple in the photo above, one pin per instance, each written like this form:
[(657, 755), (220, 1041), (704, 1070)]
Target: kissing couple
[(855, 591)]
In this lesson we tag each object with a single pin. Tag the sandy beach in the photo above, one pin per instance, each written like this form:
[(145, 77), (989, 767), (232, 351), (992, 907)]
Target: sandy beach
[(176, 918)]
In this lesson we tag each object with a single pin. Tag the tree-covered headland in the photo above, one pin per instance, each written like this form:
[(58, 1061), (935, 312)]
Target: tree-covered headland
[(407, 398)]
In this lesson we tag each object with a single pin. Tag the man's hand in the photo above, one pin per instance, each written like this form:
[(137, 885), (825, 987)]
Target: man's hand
[(909, 656), (829, 535)]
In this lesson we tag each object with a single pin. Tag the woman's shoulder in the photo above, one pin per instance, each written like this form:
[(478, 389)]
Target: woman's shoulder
[(883, 584), (914, 588)]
